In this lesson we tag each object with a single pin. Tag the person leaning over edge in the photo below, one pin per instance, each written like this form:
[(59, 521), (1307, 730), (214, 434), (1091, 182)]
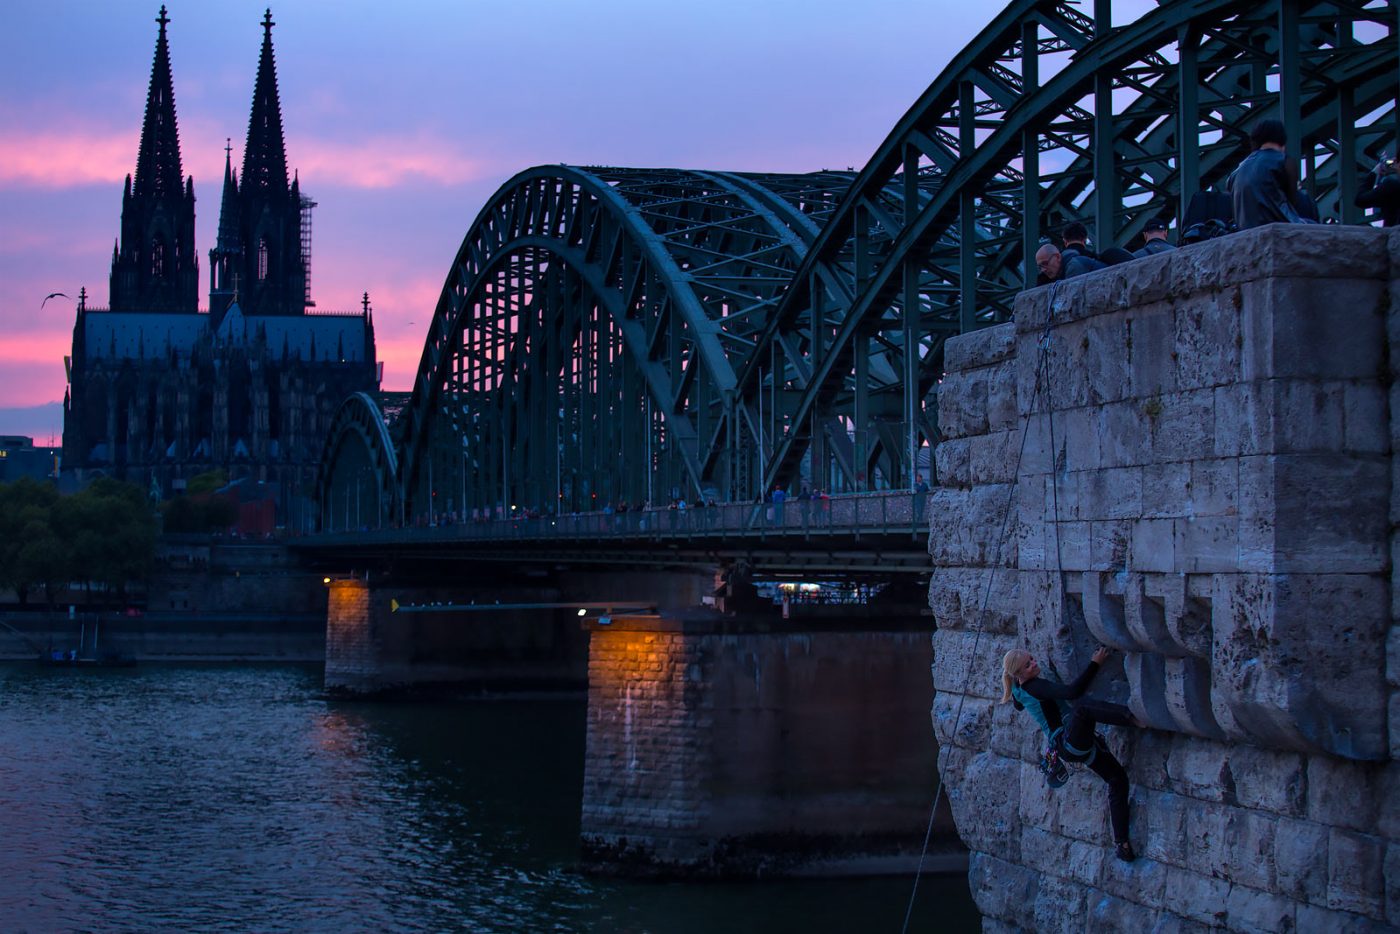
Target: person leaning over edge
[(1054, 265), (1261, 189), (1154, 233)]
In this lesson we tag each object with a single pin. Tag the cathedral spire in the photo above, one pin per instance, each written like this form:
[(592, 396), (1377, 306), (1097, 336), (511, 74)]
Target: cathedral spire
[(225, 259), (271, 228), (155, 268), (158, 162), (227, 240), (265, 157)]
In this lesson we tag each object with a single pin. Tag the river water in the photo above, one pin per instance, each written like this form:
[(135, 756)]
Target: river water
[(173, 797)]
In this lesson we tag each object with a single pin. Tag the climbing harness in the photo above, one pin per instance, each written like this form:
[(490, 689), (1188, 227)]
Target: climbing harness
[(1040, 379), (1073, 755), (1054, 769)]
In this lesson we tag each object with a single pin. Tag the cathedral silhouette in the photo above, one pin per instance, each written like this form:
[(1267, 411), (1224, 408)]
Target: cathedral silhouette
[(159, 390)]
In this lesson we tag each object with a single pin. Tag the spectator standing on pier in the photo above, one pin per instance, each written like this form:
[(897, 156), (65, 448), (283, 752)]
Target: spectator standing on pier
[(1076, 238), (1154, 235), (1262, 188)]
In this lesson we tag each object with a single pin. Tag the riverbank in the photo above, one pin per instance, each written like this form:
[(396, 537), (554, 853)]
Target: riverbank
[(166, 636)]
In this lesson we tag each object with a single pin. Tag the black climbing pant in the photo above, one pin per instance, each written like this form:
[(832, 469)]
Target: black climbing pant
[(1079, 735)]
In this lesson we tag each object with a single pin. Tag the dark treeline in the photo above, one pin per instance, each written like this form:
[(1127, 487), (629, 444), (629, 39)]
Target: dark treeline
[(103, 536)]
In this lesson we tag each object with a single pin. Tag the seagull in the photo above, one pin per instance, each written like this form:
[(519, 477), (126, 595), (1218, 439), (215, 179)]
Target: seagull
[(53, 295)]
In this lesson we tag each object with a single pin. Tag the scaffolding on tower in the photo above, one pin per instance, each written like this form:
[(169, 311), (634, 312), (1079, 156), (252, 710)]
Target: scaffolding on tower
[(306, 205)]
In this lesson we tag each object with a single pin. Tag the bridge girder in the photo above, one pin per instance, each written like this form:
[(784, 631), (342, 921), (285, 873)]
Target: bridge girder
[(748, 331), (357, 480), (1049, 116), (593, 315)]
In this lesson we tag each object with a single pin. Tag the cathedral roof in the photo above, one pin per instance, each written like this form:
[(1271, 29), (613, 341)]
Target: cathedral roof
[(158, 168), (151, 336)]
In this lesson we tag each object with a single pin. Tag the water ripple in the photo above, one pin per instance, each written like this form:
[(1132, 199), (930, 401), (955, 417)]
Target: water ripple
[(235, 798)]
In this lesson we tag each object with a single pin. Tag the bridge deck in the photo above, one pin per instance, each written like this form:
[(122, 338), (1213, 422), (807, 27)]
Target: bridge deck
[(872, 532)]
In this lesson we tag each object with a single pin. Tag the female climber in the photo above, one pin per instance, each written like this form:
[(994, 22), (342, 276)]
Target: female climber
[(1070, 728)]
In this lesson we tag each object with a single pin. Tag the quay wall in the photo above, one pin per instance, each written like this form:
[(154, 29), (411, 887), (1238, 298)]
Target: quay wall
[(167, 637), (1189, 458), (208, 597)]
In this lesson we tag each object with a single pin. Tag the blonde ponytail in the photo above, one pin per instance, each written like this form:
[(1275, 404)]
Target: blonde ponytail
[(1013, 661)]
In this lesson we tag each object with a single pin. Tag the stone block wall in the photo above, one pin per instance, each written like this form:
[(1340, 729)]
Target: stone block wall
[(711, 750), (1189, 459)]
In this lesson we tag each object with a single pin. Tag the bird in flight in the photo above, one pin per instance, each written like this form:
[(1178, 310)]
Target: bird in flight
[(52, 295)]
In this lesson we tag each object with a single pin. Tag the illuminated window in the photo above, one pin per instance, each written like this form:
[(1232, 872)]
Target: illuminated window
[(158, 259), (262, 259)]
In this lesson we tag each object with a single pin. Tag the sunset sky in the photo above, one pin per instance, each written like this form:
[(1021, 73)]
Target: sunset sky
[(403, 118)]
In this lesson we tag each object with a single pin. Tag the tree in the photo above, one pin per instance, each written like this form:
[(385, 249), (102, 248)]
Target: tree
[(105, 533), (207, 482), (30, 553), (110, 532)]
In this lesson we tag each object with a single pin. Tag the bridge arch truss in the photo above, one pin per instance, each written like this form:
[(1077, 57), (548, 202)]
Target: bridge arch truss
[(612, 334), (357, 483), (586, 338)]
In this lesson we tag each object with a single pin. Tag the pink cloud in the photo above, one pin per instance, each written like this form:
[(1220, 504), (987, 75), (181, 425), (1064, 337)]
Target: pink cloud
[(50, 159), (384, 162), (34, 380), (45, 347)]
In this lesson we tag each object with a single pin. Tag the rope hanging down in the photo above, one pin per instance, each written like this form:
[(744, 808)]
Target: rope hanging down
[(1041, 384)]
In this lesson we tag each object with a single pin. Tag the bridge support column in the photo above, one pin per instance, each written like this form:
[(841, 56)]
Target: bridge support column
[(352, 661), (449, 640), (719, 748)]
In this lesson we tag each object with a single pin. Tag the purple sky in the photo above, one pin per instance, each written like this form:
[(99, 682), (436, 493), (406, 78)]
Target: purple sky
[(404, 118)]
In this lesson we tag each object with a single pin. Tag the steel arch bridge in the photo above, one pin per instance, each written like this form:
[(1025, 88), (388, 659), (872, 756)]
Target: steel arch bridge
[(639, 334)]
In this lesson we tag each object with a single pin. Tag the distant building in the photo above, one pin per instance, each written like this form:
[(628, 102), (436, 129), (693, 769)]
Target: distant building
[(159, 390), (20, 458)]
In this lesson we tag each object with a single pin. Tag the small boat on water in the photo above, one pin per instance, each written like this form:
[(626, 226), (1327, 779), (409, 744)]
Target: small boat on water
[(83, 656)]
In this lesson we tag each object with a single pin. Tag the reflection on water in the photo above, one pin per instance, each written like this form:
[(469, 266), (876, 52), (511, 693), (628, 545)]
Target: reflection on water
[(235, 798)]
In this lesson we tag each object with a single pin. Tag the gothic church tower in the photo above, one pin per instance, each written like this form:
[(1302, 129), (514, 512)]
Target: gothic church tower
[(154, 266), (259, 254)]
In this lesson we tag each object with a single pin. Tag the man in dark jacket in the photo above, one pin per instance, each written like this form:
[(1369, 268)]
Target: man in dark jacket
[(1261, 188), (1382, 190), (1076, 237), (1154, 233)]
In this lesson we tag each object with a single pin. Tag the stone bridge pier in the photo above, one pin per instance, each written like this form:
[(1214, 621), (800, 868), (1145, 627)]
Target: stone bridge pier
[(722, 738), (1194, 458), (478, 626), (747, 745)]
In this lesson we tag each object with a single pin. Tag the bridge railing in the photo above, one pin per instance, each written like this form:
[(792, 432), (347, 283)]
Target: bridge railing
[(880, 513)]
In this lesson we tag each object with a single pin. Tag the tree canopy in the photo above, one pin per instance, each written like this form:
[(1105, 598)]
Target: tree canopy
[(105, 534)]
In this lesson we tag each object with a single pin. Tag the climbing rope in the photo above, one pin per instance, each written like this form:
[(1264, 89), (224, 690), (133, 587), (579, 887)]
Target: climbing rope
[(1040, 380)]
